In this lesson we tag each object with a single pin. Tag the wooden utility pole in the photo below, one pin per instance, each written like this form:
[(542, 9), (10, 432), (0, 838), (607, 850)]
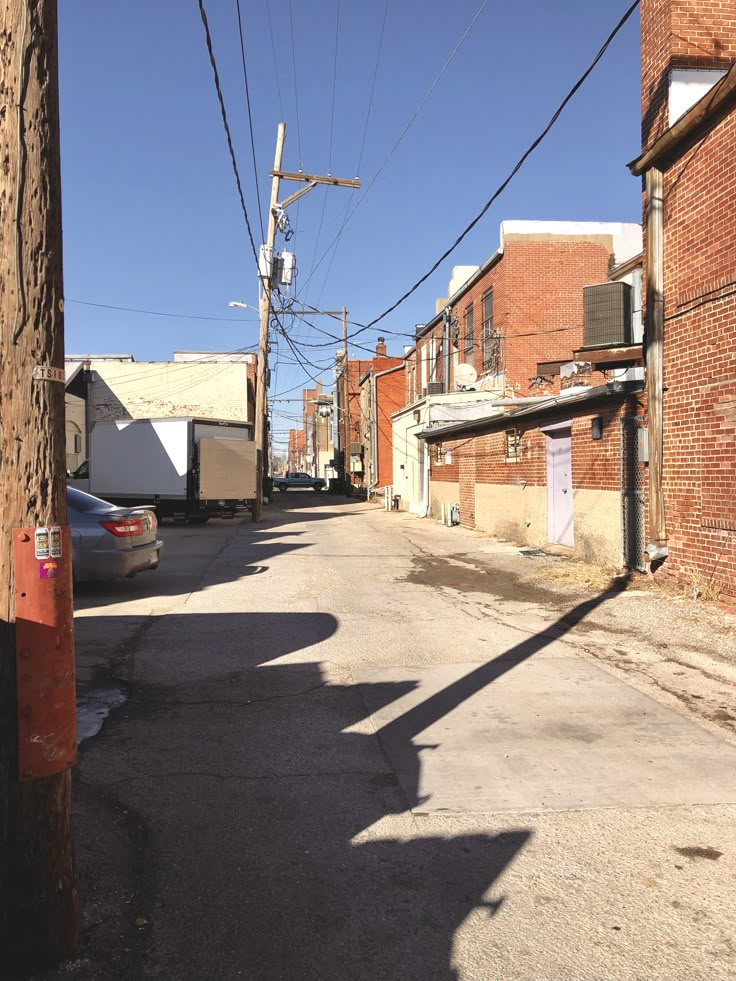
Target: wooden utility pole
[(39, 909), (346, 404), (269, 282), (262, 367)]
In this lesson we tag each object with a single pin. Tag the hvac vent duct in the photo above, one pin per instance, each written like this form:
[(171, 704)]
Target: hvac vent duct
[(607, 309)]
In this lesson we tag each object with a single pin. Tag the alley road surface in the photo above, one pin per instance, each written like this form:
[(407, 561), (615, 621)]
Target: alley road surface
[(358, 745)]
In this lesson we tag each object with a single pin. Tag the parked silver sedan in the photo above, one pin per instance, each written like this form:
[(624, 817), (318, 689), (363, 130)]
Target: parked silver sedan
[(110, 542)]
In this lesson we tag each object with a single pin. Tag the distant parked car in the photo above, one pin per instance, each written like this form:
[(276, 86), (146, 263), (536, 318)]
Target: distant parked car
[(109, 542), (294, 479)]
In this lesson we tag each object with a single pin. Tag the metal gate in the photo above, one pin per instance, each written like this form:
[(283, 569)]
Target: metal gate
[(633, 475)]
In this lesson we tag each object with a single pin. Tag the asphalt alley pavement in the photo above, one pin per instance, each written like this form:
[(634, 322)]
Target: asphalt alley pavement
[(357, 745)]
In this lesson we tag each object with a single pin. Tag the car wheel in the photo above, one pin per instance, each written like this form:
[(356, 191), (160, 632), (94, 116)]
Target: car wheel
[(283, 487), (317, 487)]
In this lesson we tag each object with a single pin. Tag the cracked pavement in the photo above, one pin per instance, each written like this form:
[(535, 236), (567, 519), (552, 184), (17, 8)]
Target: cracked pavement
[(359, 745)]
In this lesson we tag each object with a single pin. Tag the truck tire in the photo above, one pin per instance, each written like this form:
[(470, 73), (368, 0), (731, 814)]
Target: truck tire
[(317, 487), (283, 487)]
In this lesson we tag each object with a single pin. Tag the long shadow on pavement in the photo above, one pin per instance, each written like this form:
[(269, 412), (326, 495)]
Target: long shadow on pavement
[(241, 819)]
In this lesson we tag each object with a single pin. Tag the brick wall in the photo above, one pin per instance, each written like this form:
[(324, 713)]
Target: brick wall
[(150, 390), (537, 310), (698, 34), (390, 397), (699, 405), (509, 498), (359, 425)]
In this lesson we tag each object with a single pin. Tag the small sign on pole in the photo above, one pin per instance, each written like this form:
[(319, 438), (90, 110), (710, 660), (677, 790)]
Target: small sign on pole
[(44, 372)]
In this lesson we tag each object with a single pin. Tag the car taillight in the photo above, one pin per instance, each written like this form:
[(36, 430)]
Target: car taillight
[(124, 527), (153, 520)]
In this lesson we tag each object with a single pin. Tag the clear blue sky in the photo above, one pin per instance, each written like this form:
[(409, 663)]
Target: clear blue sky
[(151, 214)]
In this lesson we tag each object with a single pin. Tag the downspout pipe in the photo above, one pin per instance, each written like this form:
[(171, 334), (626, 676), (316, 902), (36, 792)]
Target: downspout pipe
[(375, 375), (374, 435), (446, 348)]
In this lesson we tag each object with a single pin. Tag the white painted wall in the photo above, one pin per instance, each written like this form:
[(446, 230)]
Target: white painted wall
[(688, 86)]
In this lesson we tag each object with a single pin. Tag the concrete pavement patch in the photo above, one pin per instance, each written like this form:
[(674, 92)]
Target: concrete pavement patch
[(556, 733)]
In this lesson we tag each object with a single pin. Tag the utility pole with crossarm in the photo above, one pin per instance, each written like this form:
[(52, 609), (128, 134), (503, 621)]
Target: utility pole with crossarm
[(276, 214)]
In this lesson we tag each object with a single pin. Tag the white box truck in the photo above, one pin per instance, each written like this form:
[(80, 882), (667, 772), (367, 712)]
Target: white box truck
[(188, 468)]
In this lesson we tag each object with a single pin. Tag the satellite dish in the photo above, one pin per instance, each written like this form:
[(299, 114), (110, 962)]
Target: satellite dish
[(465, 374)]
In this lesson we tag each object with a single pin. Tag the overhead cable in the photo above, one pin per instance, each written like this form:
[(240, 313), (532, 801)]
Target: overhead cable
[(226, 125), (516, 168), (406, 129), (250, 120), (160, 313)]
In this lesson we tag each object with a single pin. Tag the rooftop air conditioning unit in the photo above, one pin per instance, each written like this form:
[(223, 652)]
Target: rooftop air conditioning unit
[(355, 449), (434, 388), (607, 311)]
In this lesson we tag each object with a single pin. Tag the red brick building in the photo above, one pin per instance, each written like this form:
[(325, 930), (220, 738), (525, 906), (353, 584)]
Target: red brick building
[(689, 168), (543, 456), (316, 415), (522, 310), (296, 460), (382, 393), (352, 425)]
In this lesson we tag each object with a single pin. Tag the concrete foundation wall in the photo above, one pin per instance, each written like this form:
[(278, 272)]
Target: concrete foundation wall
[(516, 514), (442, 492), (519, 514), (598, 525)]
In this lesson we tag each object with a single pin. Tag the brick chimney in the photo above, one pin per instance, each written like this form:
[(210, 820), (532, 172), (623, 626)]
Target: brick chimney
[(686, 46), (381, 348)]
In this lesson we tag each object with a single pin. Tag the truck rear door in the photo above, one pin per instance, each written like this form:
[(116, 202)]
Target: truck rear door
[(227, 469)]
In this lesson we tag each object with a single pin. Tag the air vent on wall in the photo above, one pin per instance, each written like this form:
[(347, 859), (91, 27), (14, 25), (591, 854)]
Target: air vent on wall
[(434, 388), (607, 310)]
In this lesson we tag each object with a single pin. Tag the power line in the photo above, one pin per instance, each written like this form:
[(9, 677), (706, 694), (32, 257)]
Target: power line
[(332, 130), (406, 129), (516, 168), (250, 120), (334, 86), (275, 60), (505, 183), (295, 388), (226, 125), (161, 313), (360, 157), (296, 84)]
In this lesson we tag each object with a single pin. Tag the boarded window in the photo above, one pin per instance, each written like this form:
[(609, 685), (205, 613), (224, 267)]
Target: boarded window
[(491, 340), (512, 445), (469, 333)]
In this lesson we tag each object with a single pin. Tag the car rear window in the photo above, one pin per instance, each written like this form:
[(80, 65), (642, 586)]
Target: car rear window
[(86, 502)]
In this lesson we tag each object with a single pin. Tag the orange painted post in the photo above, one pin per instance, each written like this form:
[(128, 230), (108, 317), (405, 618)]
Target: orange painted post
[(44, 643)]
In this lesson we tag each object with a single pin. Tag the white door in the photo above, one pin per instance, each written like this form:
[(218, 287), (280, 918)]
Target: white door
[(559, 487)]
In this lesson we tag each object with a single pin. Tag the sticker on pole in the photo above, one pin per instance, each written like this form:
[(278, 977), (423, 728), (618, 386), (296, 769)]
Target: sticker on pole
[(41, 539), (44, 653), (44, 372), (55, 542)]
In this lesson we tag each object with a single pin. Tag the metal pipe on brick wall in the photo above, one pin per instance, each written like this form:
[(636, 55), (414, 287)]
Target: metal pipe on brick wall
[(446, 349), (653, 337)]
